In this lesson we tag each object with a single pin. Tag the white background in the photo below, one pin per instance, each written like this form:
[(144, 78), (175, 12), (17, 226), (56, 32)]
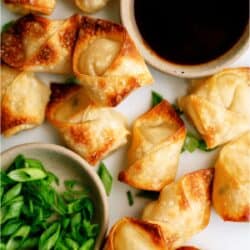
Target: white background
[(218, 235)]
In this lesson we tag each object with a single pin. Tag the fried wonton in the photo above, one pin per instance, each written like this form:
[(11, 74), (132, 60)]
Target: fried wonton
[(90, 6), (158, 136), (107, 62), (134, 234), (37, 44), (231, 189), (219, 106), (90, 130), (45, 7), (183, 208), (23, 101)]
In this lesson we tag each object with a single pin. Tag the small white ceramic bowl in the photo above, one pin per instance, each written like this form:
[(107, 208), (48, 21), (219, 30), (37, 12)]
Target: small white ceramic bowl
[(185, 71), (66, 165)]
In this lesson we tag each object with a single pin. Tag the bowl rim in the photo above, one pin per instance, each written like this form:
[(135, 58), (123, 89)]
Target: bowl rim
[(184, 71), (85, 166)]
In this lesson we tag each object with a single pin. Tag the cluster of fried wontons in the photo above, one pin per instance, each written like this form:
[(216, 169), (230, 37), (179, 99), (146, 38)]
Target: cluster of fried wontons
[(182, 210), (108, 66), (183, 207), (100, 53), (46, 7), (219, 107), (90, 130), (104, 59)]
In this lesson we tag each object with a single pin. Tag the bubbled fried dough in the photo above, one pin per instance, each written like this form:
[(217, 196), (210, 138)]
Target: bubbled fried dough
[(153, 156), (183, 208), (231, 188), (35, 43), (107, 63), (23, 100), (90, 130), (219, 105), (45, 7)]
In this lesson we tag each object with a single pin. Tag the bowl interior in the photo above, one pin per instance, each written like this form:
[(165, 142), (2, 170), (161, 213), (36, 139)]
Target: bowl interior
[(185, 71), (66, 165)]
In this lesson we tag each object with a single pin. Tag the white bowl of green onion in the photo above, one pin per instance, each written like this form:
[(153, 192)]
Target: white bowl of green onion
[(50, 199)]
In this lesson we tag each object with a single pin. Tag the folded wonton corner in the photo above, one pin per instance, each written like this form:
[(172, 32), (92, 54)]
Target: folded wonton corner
[(219, 106), (107, 62), (134, 234), (90, 130), (183, 208), (23, 101), (158, 136), (35, 43), (231, 188), (45, 7)]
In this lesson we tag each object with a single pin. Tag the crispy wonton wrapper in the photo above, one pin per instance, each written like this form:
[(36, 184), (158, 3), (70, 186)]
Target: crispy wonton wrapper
[(219, 106), (90, 6), (153, 156), (183, 208), (35, 43), (107, 62), (90, 130), (23, 101), (45, 7), (231, 189)]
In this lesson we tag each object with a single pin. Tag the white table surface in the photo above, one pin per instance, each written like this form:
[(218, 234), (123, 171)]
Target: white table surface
[(218, 235)]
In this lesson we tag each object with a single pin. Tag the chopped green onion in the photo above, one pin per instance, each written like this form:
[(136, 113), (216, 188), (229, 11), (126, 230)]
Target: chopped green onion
[(88, 245), (7, 25), (156, 98), (105, 177), (18, 237), (192, 143), (27, 174), (72, 80), (54, 222), (130, 198), (10, 227), (148, 194), (49, 237), (12, 193)]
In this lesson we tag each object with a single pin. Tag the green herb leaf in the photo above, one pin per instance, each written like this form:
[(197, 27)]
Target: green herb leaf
[(7, 26), (156, 98), (49, 237), (130, 198), (12, 193), (11, 211), (72, 244), (18, 237), (192, 143), (148, 194), (2, 246), (33, 163), (105, 177), (27, 174), (4, 179), (88, 245), (10, 227), (90, 230), (29, 243), (72, 80), (88, 209)]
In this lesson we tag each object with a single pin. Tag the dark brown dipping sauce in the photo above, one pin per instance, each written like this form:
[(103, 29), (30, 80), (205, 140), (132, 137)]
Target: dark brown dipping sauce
[(191, 31)]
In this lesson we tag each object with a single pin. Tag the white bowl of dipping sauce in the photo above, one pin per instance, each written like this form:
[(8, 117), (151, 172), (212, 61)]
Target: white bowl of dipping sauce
[(188, 39)]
